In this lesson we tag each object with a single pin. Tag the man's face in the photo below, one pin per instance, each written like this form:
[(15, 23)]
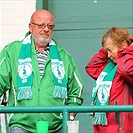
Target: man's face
[(42, 30)]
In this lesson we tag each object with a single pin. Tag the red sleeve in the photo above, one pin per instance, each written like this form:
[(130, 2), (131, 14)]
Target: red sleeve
[(97, 63), (125, 63)]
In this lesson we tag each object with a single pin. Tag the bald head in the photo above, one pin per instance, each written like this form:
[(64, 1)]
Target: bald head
[(40, 15), (41, 27)]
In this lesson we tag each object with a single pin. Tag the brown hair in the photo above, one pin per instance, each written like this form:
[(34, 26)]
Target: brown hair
[(117, 35)]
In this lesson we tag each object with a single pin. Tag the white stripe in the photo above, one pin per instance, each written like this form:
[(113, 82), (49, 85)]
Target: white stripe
[(74, 99), (79, 83), (15, 99), (25, 60), (3, 123), (12, 114), (2, 60), (56, 60), (51, 42), (27, 40)]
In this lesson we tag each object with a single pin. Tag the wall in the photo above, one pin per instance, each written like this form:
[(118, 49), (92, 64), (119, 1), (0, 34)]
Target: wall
[(14, 19)]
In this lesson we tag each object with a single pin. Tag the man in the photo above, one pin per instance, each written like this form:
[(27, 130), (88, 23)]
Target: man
[(39, 72)]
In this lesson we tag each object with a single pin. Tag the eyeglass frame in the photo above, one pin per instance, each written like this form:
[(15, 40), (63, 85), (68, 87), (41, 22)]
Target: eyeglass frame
[(49, 26)]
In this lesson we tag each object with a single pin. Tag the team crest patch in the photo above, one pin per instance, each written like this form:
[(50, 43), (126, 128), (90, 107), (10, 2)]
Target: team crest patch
[(104, 91), (24, 70), (102, 95), (58, 71)]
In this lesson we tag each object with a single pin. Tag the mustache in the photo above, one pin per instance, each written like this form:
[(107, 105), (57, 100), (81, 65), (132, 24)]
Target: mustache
[(44, 33)]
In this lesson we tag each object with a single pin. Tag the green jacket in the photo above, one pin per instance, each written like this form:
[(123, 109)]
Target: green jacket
[(42, 88)]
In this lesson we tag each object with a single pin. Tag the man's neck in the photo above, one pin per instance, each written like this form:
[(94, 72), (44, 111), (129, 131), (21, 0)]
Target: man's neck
[(41, 48)]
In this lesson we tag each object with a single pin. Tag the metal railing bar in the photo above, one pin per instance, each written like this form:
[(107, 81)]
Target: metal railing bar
[(57, 109), (65, 110)]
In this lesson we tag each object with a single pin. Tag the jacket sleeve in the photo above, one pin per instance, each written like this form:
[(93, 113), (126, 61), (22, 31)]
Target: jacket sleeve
[(125, 63), (5, 70), (74, 86), (97, 64)]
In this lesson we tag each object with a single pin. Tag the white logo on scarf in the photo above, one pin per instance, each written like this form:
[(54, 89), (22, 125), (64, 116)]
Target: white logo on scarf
[(58, 71), (24, 70), (102, 95), (104, 91)]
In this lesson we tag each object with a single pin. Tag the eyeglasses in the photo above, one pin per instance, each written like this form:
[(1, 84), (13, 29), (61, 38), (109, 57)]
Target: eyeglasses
[(40, 26)]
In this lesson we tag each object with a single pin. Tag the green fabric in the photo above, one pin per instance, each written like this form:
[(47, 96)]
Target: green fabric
[(41, 96), (60, 90), (101, 92), (25, 70)]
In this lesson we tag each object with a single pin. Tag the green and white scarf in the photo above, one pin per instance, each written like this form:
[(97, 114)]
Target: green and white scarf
[(101, 92), (25, 70), (25, 78), (60, 90)]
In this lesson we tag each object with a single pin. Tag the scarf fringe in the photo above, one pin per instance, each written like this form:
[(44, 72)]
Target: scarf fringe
[(60, 92), (100, 119), (24, 93)]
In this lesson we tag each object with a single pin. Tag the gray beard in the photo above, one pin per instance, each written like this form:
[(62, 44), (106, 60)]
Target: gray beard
[(44, 43)]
